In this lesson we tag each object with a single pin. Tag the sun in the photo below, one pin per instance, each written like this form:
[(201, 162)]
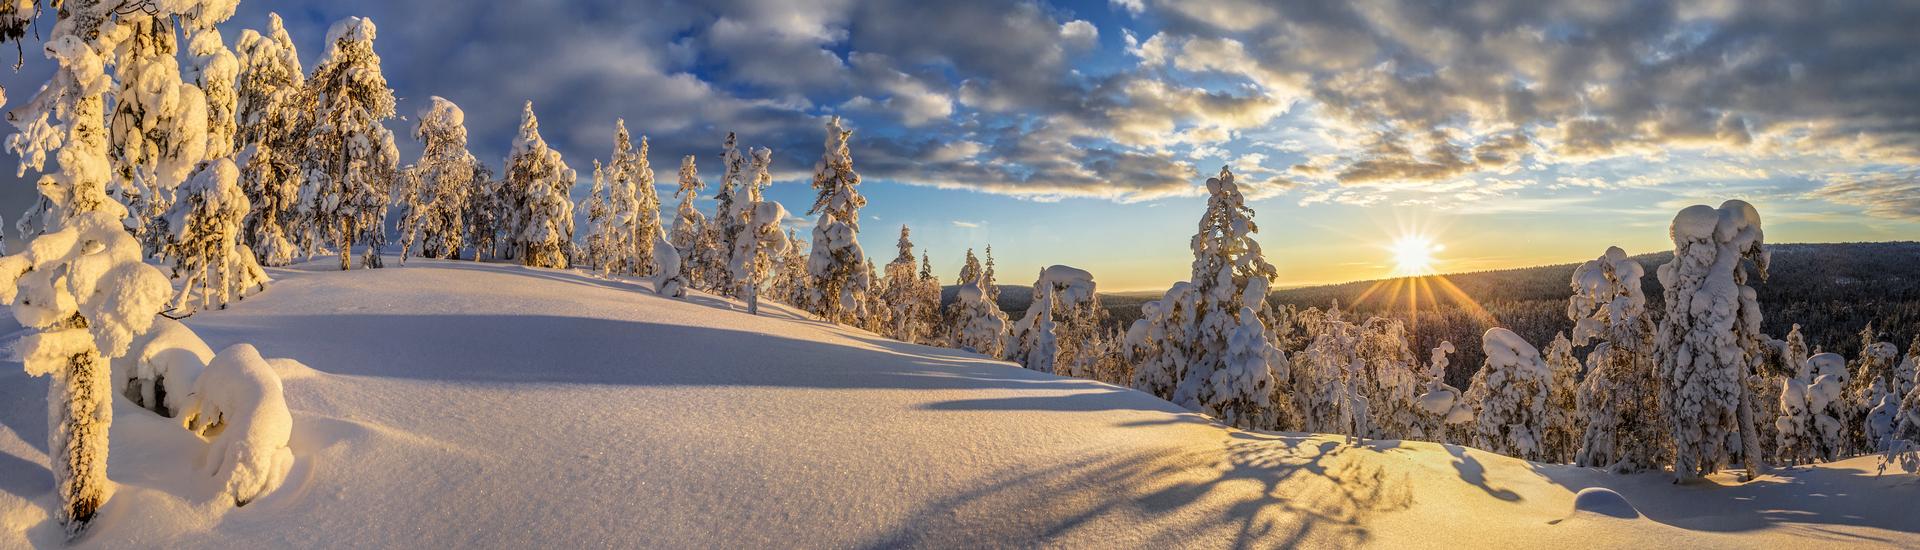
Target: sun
[(1413, 255)]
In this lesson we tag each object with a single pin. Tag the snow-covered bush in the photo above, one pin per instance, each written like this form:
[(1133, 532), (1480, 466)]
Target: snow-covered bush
[(160, 367), (1619, 400), (669, 276), (1796, 438), (1511, 394), (1708, 341), (205, 244), (435, 196), (537, 183), (237, 403), (268, 136), (838, 291)]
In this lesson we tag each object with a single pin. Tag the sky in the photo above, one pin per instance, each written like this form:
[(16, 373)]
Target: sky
[(1508, 133)]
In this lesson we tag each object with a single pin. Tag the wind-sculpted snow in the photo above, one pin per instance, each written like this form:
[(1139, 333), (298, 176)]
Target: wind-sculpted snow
[(456, 405)]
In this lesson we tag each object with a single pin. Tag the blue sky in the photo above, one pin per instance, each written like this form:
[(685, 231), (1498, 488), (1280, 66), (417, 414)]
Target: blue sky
[(1511, 132)]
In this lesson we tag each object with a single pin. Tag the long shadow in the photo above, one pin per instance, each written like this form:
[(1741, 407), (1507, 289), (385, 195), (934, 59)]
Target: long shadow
[(1274, 492), (519, 349), (1808, 496)]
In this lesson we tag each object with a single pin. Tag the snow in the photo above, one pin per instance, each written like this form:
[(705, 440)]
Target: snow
[(489, 405), (237, 402)]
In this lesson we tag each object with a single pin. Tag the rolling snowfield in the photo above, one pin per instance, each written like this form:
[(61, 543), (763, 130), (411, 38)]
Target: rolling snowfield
[(453, 405)]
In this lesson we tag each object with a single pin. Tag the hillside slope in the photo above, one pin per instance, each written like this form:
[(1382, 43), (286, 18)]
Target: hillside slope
[(464, 405)]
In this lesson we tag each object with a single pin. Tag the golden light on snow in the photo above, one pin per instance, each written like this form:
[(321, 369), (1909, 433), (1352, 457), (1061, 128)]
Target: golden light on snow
[(1413, 255)]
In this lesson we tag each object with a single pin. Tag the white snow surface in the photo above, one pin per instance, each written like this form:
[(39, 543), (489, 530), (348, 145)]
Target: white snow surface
[(464, 405)]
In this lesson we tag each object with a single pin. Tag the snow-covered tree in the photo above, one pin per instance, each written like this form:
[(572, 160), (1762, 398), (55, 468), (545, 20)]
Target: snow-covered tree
[(1828, 405), (205, 244), (447, 170), (669, 275), (157, 132), (349, 157), (755, 249), (436, 188), (729, 218), (926, 299), (1392, 382), (1619, 400), (1708, 341), (537, 183), (1060, 293), (1443, 401), (600, 231), (1328, 378), (900, 284), (485, 213), (1563, 430), (269, 129), (80, 286), (636, 207), (1511, 394), (1232, 366), (979, 325), (690, 239), (790, 278), (988, 283), (839, 288)]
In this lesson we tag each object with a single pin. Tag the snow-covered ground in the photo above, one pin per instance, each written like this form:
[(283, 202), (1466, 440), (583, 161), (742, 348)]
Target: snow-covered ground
[(453, 405)]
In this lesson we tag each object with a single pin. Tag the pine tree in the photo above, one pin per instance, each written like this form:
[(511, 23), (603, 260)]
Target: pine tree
[(1563, 428), (537, 185), (269, 129), (600, 231), (348, 153), (839, 290), (926, 301), (485, 213), (1706, 353), (988, 283), (80, 285), (691, 239), (636, 207)]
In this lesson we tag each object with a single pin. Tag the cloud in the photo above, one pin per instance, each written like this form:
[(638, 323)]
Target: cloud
[(1885, 195), (967, 224)]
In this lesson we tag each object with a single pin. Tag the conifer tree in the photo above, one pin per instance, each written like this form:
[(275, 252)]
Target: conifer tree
[(348, 153), (690, 239), (839, 290), (1707, 351), (270, 127), (537, 186)]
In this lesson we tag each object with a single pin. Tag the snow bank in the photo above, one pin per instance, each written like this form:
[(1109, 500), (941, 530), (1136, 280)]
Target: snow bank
[(1603, 501), (237, 402), (159, 371)]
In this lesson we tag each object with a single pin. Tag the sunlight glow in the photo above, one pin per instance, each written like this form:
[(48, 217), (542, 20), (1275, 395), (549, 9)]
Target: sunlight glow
[(1413, 255)]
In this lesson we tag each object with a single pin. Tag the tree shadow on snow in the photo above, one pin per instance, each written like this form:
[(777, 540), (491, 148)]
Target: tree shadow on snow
[(1809, 497), (519, 349), (1262, 491)]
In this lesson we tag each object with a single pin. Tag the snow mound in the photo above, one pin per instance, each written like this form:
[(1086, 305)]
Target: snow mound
[(237, 401), (1605, 502)]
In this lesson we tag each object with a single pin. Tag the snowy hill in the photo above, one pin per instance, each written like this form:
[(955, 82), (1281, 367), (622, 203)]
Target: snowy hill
[(465, 405)]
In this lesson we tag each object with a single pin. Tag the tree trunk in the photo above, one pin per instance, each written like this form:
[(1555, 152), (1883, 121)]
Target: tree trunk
[(80, 410)]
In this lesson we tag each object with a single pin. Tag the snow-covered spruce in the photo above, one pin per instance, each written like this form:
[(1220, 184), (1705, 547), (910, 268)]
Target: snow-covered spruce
[(214, 69), (839, 288), (1510, 394), (537, 185), (899, 285), (237, 404), (1619, 400), (729, 219), (1709, 338), (1326, 386), (1228, 366), (669, 274), (157, 132), (209, 260), (790, 277), (926, 298), (634, 206), (269, 129), (600, 233), (435, 189), (1827, 404), (1441, 400), (1565, 427), (348, 152)]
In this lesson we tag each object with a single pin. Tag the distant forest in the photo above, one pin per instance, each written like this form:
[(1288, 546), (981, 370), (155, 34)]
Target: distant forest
[(1832, 290)]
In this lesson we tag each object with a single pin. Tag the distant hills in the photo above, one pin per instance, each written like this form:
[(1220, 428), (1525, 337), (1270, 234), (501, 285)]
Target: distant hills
[(1831, 289)]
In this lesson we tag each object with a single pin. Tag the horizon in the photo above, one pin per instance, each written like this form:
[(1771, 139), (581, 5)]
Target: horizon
[(1092, 150)]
